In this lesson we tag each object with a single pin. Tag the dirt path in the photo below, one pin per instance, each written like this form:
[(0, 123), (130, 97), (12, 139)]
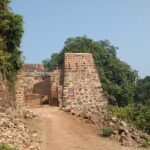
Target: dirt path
[(60, 131)]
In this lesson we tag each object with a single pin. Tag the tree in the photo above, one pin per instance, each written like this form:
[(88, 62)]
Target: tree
[(117, 77), (143, 91), (11, 31), (51, 63)]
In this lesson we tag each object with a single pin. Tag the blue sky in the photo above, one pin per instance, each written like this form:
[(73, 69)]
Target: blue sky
[(125, 23)]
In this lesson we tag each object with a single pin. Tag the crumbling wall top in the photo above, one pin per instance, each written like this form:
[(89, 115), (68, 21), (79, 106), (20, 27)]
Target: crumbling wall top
[(33, 68), (78, 61)]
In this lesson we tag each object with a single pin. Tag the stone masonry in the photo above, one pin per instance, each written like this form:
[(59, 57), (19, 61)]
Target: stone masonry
[(20, 92), (74, 87), (27, 78), (82, 89), (2, 93), (51, 86)]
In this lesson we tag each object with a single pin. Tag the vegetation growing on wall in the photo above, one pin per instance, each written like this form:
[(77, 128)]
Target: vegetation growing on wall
[(117, 77), (11, 31)]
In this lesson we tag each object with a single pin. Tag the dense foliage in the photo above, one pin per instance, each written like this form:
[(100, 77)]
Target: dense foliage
[(11, 31), (143, 91), (117, 78), (137, 115)]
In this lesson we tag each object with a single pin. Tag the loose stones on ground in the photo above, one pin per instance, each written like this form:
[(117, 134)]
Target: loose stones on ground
[(14, 130)]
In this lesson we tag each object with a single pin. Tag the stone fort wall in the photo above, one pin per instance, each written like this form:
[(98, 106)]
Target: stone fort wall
[(2, 92), (82, 89), (74, 87), (27, 78)]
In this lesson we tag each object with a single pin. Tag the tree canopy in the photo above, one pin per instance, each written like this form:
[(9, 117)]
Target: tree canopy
[(143, 91), (117, 77), (11, 31)]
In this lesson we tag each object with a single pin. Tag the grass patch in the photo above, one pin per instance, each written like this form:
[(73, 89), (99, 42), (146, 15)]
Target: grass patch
[(6, 147), (106, 132)]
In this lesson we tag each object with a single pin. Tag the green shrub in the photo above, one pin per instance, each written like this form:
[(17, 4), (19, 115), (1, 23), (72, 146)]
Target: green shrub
[(141, 117), (106, 132), (137, 115), (6, 147), (146, 143), (122, 112)]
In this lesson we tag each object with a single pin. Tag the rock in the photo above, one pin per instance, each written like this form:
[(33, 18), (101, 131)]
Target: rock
[(76, 111), (16, 121), (2, 115), (112, 124), (115, 132), (67, 109), (14, 131), (2, 109), (21, 128), (114, 119), (9, 110), (95, 118), (122, 123), (87, 115), (126, 131), (34, 135), (33, 147), (139, 140), (125, 139)]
